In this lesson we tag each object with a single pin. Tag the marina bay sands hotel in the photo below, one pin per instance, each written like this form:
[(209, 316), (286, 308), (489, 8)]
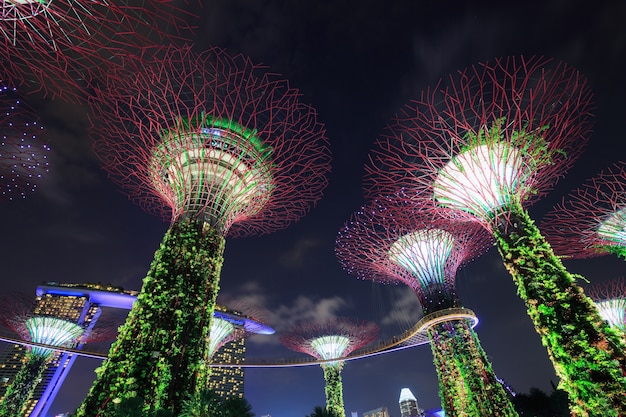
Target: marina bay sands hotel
[(82, 304)]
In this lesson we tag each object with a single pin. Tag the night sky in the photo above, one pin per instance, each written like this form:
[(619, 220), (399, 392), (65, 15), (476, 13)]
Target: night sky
[(357, 63)]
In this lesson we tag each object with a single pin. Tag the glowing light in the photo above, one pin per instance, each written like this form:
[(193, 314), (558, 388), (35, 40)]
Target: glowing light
[(614, 312), (613, 228), (22, 9), (330, 347), (423, 253), (52, 331), (481, 179), (216, 172)]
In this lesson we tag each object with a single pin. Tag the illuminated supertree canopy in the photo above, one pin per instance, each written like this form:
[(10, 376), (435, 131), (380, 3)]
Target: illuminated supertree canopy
[(416, 242), (23, 157), (488, 141), (16, 313), (592, 220), (52, 44), (332, 339), (610, 297), (218, 147)]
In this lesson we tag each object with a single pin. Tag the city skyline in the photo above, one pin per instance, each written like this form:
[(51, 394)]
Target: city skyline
[(357, 63)]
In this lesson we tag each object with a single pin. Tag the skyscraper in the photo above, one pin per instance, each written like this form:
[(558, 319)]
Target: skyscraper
[(78, 303), (408, 404)]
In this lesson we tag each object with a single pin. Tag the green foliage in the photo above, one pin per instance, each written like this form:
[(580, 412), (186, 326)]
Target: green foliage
[(159, 353), (334, 389), (322, 412), (588, 355), (203, 404), (538, 404), (21, 390), (207, 403), (237, 407), (617, 250), (467, 384), (532, 146)]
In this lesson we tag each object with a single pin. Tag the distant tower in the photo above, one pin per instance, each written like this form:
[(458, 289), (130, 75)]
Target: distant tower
[(227, 345), (408, 404)]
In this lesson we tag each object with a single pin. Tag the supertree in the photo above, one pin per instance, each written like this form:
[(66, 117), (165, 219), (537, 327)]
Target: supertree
[(229, 325), (332, 339), (591, 221), (488, 141), (23, 157), (43, 333), (402, 240), (55, 46), (220, 148), (610, 298)]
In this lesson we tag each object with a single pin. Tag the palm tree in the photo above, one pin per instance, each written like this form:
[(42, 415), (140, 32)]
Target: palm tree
[(205, 403), (237, 407), (321, 412)]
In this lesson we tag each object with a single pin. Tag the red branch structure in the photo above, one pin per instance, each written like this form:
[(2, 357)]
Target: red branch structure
[(55, 46), (610, 297), (23, 157), (333, 339), (219, 148), (592, 220), (179, 94), (399, 239), (487, 142), (540, 109), (416, 242)]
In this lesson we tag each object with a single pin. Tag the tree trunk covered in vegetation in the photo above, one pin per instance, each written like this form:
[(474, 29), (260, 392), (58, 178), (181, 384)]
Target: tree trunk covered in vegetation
[(160, 351)]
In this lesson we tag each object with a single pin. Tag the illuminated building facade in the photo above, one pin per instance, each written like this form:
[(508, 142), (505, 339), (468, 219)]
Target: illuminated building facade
[(408, 404), (378, 412), (78, 303), (229, 382)]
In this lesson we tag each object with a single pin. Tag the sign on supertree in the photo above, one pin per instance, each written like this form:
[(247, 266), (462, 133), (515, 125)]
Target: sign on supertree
[(332, 339), (23, 157), (610, 298), (591, 221), (219, 148), (55, 46), (422, 245), (488, 142)]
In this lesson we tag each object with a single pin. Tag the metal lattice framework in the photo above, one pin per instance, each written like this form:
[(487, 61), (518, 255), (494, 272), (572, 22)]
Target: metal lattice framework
[(332, 339), (487, 142), (55, 45), (493, 135), (401, 239), (218, 147), (610, 298), (210, 136), (23, 157), (222, 331), (418, 243), (591, 221)]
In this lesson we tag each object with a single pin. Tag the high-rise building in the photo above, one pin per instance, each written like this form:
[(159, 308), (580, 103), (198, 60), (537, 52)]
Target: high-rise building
[(78, 303), (408, 404), (377, 412), (82, 303)]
